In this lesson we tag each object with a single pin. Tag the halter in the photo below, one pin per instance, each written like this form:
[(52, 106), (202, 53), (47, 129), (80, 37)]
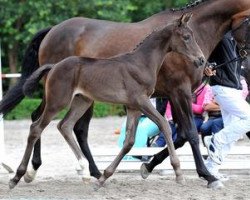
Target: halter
[(245, 45)]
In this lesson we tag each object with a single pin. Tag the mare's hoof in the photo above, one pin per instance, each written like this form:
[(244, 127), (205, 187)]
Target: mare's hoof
[(12, 184), (216, 185), (180, 180), (144, 171)]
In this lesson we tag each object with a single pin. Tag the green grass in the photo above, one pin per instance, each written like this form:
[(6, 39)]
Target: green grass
[(27, 106)]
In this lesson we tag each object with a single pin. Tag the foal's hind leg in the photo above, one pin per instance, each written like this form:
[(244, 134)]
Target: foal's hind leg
[(148, 109), (81, 132), (78, 107), (132, 122), (36, 158), (36, 129)]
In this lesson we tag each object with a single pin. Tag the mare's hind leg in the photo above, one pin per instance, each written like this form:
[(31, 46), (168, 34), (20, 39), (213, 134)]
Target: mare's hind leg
[(147, 168), (36, 158), (78, 107), (132, 122), (81, 132), (36, 129), (148, 109)]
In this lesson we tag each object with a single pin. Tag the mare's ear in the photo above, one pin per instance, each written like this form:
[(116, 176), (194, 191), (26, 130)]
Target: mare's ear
[(184, 19)]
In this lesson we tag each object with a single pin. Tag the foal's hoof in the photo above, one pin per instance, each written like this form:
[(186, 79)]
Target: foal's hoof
[(216, 185), (98, 185), (180, 180), (144, 171), (86, 179), (12, 184), (29, 176), (102, 180)]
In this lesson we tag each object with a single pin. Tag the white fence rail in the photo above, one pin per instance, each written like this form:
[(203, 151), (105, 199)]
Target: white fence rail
[(2, 145), (239, 158)]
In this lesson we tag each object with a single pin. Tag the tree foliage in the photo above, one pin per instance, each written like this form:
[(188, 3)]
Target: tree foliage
[(21, 19)]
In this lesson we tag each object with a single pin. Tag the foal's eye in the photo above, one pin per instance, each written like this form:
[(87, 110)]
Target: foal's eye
[(186, 37)]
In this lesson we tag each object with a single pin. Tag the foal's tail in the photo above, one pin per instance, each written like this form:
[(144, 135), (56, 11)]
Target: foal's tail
[(30, 63), (32, 82)]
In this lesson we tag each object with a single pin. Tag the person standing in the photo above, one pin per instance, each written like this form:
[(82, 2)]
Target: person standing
[(227, 90)]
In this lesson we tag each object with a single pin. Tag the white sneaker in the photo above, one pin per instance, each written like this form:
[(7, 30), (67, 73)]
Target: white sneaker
[(213, 169), (213, 151), (221, 177)]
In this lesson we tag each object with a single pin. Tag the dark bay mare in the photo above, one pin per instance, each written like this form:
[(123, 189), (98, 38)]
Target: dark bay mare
[(102, 39), (127, 79)]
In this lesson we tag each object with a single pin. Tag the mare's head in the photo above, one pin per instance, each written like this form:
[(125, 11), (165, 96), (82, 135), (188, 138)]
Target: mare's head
[(183, 41), (242, 36)]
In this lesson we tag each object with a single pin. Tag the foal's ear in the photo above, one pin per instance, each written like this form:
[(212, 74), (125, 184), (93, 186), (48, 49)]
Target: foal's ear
[(185, 19)]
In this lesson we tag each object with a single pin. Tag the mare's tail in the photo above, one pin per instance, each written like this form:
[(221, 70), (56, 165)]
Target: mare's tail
[(30, 63), (32, 82)]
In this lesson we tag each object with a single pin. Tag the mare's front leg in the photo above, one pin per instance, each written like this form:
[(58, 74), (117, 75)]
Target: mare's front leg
[(148, 109), (188, 127), (81, 131), (132, 122)]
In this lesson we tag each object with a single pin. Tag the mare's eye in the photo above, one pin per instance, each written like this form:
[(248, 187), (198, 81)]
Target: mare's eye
[(186, 37)]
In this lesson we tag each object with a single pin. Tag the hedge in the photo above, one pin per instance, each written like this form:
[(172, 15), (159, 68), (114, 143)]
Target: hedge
[(27, 106)]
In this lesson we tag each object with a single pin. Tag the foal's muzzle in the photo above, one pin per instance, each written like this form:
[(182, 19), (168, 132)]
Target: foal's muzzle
[(200, 62)]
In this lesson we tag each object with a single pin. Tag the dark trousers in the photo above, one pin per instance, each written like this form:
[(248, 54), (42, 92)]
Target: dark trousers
[(161, 142), (211, 126)]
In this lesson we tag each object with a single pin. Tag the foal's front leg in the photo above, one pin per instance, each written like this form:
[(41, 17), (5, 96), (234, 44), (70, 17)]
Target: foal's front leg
[(132, 122), (81, 131), (148, 109)]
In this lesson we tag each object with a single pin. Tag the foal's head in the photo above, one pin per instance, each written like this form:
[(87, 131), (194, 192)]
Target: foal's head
[(183, 41)]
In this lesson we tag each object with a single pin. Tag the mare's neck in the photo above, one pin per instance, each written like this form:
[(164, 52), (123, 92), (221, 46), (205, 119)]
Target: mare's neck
[(153, 49), (213, 19)]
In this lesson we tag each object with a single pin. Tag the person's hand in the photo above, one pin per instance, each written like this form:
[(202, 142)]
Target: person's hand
[(208, 71)]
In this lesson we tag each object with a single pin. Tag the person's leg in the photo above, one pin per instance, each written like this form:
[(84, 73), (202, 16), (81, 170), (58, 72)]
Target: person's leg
[(236, 116), (206, 129), (161, 142), (198, 122), (217, 125)]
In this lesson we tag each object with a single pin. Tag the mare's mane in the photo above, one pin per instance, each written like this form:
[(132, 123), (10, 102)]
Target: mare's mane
[(189, 5)]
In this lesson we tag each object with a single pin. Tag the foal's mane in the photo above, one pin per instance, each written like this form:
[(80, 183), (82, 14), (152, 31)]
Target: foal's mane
[(149, 35), (189, 5)]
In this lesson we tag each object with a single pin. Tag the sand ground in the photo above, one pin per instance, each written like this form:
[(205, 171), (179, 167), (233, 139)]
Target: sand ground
[(57, 178)]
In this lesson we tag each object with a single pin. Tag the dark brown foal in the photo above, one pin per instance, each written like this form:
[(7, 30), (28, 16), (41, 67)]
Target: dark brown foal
[(127, 79)]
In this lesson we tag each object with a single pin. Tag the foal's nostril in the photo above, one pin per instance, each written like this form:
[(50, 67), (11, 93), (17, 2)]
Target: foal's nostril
[(200, 62)]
